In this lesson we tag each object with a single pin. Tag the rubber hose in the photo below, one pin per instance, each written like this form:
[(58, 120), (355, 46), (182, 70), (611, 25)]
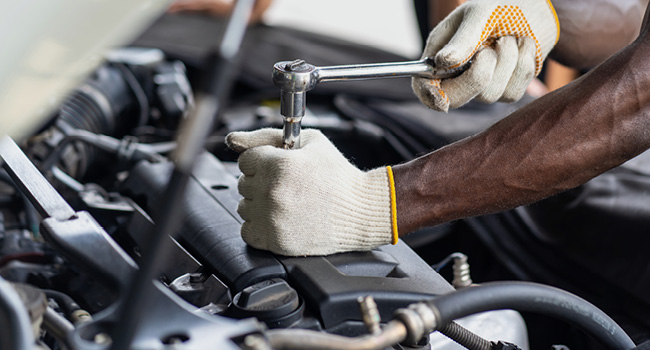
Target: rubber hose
[(15, 327), (464, 337), (532, 297), (65, 302)]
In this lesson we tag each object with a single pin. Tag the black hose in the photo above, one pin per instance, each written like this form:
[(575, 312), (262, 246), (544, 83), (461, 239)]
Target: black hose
[(65, 302), (138, 93), (464, 337), (532, 297)]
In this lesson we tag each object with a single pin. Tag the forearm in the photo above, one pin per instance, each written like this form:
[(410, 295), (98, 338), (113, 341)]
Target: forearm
[(592, 30), (551, 145)]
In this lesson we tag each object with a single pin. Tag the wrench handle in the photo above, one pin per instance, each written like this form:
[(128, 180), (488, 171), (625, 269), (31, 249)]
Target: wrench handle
[(423, 68)]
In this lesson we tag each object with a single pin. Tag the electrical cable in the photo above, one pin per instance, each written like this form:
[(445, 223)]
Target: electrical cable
[(103, 142), (138, 92), (440, 265)]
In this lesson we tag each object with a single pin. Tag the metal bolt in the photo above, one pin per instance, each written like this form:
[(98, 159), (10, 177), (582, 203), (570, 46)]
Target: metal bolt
[(102, 339), (462, 276), (256, 342), (80, 316), (370, 314), (196, 277)]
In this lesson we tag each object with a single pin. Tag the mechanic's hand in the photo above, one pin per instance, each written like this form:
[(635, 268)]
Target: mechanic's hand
[(309, 201), (509, 40)]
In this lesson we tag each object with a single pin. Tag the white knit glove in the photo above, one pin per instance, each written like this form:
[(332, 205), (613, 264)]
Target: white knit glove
[(508, 40), (310, 201)]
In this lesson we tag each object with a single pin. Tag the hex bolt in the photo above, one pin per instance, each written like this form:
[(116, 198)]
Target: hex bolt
[(197, 277)]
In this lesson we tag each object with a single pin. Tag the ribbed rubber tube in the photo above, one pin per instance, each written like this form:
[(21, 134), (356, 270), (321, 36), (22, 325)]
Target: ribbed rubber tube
[(532, 297)]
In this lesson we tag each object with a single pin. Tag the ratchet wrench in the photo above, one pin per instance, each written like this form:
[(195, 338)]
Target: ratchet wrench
[(295, 78)]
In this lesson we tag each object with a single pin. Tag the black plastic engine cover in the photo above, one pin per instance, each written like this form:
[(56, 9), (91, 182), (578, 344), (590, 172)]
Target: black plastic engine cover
[(394, 275), (211, 225)]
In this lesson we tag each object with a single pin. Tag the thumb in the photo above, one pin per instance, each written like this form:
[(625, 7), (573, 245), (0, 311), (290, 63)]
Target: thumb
[(240, 141), (467, 39)]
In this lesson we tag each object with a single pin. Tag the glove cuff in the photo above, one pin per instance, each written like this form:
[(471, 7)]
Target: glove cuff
[(545, 28), (393, 204), (366, 222)]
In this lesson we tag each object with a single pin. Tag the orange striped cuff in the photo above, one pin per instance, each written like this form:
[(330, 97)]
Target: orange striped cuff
[(393, 204), (557, 21)]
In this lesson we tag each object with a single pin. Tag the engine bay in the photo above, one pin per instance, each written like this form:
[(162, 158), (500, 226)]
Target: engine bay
[(111, 191)]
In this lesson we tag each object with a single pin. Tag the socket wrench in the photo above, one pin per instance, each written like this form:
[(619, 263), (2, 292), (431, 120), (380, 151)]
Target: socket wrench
[(295, 78)]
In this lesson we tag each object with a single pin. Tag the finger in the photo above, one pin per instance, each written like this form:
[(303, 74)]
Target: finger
[(245, 209), (524, 71), (507, 51), (260, 158), (247, 188), (442, 33), (248, 162), (430, 93), (466, 41), (240, 141), (253, 235), (468, 85)]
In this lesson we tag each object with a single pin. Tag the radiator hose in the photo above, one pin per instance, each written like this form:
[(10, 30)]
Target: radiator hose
[(532, 297)]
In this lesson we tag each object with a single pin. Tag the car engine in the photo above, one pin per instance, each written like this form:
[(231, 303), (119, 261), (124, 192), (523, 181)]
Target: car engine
[(100, 198)]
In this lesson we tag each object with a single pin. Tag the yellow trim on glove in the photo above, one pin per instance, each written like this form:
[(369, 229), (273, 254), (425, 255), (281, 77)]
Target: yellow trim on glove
[(393, 204), (557, 21)]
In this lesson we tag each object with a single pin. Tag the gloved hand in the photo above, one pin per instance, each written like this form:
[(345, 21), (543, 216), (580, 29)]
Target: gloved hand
[(509, 40), (310, 201)]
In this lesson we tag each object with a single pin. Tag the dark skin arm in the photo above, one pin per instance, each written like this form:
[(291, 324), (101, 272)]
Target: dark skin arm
[(553, 144)]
